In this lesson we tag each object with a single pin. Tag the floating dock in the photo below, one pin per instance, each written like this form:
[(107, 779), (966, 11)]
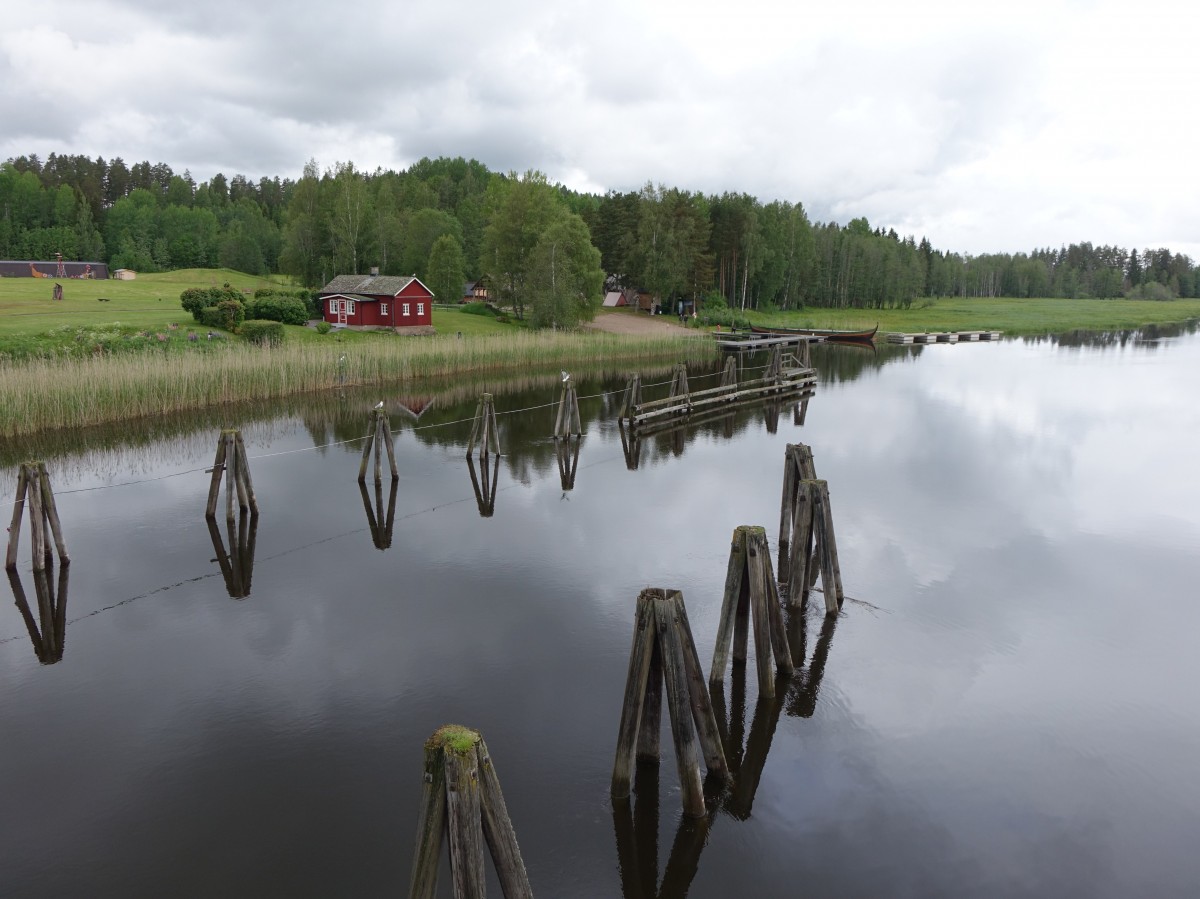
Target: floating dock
[(943, 337)]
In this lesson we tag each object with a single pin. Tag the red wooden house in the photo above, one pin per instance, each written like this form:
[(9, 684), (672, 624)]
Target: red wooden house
[(377, 301)]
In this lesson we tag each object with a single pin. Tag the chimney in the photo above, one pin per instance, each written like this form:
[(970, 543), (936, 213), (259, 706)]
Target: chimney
[(374, 271)]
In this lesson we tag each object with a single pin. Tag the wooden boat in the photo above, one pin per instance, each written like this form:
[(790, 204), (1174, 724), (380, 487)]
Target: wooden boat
[(823, 333)]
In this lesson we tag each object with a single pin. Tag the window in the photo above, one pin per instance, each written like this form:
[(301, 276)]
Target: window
[(420, 308), (349, 305), (333, 307), (383, 308), (404, 310)]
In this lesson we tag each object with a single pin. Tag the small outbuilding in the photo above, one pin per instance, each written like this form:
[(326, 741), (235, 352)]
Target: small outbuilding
[(124, 274), (377, 301)]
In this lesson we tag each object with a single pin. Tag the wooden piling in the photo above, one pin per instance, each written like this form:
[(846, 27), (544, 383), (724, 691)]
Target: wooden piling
[(379, 438), (751, 596), (679, 384), (661, 628), (461, 799), (567, 452), (45, 528), (231, 462), (484, 484), (567, 421), (484, 429), (806, 538), (632, 397), (729, 374)]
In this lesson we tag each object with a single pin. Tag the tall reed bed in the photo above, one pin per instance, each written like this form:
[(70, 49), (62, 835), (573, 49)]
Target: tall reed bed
[(67, 393)]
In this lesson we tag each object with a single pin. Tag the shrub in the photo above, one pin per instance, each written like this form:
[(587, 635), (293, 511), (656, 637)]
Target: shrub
[(264, 333), (193, 300), (726, 318), (713, 300), (1151, 290), (210, 317), (231, 313), (478, 309), (278, 308), (323, 327)]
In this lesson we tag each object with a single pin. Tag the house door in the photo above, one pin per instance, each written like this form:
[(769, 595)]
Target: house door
[(341, 312)]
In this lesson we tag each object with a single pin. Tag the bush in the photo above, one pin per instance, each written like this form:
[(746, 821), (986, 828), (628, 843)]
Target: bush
[(264, 333), (227, 314), (478, 309), (726, 318), (323, 327), (1151, 290), (278, 308), (712, 301), (195, 299)]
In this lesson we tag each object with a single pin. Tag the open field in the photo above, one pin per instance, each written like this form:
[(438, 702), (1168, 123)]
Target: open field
[(1012, 316)]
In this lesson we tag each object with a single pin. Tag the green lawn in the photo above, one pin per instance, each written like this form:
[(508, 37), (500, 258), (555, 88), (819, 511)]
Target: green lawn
[(1012, 316), (31, 321)]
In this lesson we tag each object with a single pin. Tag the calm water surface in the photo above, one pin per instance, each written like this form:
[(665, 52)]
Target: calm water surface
[(1006, 706)]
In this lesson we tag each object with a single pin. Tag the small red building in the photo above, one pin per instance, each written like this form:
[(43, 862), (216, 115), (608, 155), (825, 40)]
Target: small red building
[(377, 301)]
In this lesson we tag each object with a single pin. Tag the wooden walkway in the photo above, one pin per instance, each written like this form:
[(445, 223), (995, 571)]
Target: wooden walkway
[(943, 337), (788, 380), (742, 342)]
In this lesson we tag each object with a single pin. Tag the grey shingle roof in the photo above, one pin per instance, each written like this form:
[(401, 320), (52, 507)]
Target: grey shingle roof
[(379, 285)]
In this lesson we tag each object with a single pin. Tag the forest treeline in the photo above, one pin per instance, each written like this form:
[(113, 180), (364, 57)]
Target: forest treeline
[(452, 220)]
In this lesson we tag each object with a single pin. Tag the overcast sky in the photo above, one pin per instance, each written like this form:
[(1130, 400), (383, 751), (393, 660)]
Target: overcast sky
[(998, 127)]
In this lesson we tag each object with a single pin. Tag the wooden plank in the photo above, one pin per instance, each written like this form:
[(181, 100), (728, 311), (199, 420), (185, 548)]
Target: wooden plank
[(703, 715), (498, 831), (14, 528), (801, 546), (635, 693), (431, 825), (758, 616), (36, 529), (214, 488), (831, 573), (687, 759), (244, 462), (650, 726), (729, 603), (464, 819)]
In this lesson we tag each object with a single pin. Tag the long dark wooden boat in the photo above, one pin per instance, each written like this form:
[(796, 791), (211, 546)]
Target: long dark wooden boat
[(823, 333)]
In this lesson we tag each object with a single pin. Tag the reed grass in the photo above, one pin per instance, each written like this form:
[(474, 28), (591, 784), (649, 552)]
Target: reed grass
[(69, 393)]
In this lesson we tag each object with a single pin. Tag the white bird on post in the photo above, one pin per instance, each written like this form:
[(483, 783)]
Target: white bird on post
[(566, 376), (379, 405)]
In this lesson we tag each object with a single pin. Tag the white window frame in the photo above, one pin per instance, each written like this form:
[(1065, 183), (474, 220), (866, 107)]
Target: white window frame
[(333, 306), (404, 310), (420, 308), (383, 308), (349, 306)]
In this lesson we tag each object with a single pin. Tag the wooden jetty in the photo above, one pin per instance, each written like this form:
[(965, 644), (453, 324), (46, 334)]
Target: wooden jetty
[(785, 374), (943, 336)]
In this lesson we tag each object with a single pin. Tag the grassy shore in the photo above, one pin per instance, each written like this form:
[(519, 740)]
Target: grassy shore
[(78, 392), (1013, 317)]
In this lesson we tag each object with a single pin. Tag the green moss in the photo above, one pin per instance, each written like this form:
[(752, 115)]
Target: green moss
[(454, 737)]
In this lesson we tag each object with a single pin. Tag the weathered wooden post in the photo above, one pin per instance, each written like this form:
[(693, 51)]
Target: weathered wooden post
[(461, 800), (380, 435), (798, 466), (774, 372), (729, 374), (631, 399), (567, 423), (33, 483), (679, 383), (231, 460), (806, 538), (485, 492), (484, 428), (751, 595), (48, 632), (663, 650)]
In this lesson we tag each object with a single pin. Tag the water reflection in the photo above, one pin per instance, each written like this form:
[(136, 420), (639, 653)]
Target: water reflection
[(635, 825), (380, 524), (631, 446), (747, 756), (237, 563), (484, 484), (805, 684), (47, 632), (568, 461)]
